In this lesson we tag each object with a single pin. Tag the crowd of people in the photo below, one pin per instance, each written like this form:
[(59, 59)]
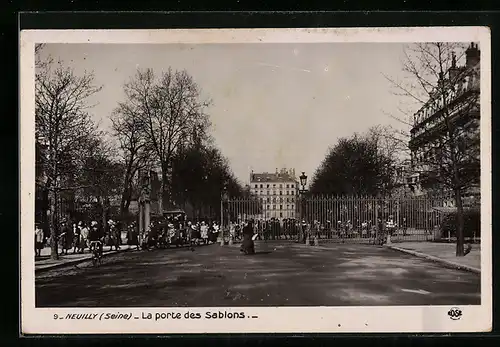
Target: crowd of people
[(79, 237)]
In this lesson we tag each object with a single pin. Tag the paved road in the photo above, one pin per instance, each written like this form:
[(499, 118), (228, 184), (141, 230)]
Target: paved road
[(280, 274)]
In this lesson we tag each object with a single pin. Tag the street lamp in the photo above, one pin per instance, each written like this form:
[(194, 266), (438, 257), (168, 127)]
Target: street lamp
[(303, 182), (224, 198)]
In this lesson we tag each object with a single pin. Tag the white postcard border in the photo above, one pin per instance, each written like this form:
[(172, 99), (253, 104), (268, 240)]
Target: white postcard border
[(411, 319)]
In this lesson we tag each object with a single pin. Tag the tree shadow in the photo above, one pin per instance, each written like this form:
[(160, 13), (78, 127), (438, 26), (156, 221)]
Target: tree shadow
[(261, 253)]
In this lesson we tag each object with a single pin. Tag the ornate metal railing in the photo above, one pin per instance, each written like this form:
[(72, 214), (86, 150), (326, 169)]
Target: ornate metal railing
[(343, 219)]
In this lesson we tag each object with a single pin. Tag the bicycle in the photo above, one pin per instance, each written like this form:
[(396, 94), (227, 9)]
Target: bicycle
[(96, 247)]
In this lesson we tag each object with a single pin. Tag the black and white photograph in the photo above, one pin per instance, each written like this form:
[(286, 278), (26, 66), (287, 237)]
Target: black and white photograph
[(264, 180)]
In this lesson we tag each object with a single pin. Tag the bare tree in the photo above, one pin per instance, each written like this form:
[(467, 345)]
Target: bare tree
[(62, 126), (170, 107), (444, 138), (392, 145), (135, 151), (100, 176)]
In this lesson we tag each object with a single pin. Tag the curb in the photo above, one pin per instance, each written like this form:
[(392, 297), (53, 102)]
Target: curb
[(75, 262), (436, 259)]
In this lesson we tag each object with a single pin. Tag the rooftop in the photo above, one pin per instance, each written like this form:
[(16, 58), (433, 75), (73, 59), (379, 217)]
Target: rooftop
[(272, 177)]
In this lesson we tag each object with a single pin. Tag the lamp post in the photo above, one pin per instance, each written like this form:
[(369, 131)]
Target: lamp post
[(302, 192), (224, 199)]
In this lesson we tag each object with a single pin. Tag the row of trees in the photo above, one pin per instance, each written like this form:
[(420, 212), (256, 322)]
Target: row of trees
[(371, 163), (363, 164), (161, 125)]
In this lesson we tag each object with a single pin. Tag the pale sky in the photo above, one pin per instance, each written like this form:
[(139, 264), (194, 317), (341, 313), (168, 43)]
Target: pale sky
[(274, 105)]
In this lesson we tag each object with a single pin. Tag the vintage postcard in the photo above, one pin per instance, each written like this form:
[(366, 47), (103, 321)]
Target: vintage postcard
[(256, 181)]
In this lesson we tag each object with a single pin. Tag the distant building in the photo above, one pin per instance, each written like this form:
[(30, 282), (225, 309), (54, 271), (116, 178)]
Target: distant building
[(277, 192), (429, 129)]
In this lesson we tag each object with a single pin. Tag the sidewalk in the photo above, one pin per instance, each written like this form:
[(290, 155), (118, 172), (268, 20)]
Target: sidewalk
[(443, 253), (46, 263)]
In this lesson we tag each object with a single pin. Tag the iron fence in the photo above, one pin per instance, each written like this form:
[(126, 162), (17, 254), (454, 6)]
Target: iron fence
[(343, 219)]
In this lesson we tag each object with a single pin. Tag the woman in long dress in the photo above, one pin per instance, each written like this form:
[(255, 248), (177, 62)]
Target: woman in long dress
[(248, 246), (204, 232)]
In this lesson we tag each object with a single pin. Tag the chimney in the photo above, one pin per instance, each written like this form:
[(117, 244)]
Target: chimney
[(453, 71), (251, 176), (472, 55)]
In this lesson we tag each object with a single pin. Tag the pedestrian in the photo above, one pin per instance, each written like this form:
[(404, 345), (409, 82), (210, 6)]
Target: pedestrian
[(232, 231), (39, 236), (204, 232), (248, 245), (76, 238), (65, 238), (189, 235), (132, 238), (84, 237), (304, 231), (96, 234), (215, 232), (172, 237)]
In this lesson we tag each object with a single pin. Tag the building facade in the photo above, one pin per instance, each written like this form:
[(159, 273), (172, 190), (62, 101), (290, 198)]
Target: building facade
[(458, 99), (276, 192)]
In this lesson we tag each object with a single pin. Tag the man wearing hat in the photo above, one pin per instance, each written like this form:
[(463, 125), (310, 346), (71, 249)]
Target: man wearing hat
[(66, 237), (95, 235), (304, 231)]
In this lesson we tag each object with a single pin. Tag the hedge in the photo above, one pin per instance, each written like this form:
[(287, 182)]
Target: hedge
[(472, 224)]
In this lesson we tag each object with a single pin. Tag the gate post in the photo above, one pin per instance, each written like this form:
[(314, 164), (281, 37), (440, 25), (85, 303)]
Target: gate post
[(377, 224), (224, 228)]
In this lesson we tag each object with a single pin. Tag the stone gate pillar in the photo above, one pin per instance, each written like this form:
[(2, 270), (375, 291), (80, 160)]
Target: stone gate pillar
[(141, 217), (147, 214)]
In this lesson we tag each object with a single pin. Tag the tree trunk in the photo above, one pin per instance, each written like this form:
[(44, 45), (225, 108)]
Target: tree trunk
[(54, 253), (103, 216), (126, 195), (460, 223), (125, 201), (165, 198)]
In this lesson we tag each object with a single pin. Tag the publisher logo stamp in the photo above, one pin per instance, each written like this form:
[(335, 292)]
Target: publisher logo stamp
[(455, 313)]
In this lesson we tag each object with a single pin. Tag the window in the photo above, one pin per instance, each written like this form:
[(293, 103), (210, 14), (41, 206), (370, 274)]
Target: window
[(256, 186), (274, 192), (268, 186), (261, 185), (268, 192), (292, 192), (274, 185), (281, 199), (287, 207), (292, 207), (281, 207), (287, 199), (281, 186), (268, 207), (274, 207), (281, 193), (291, 186), (281, 215), (288, 186), (274, 199)]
